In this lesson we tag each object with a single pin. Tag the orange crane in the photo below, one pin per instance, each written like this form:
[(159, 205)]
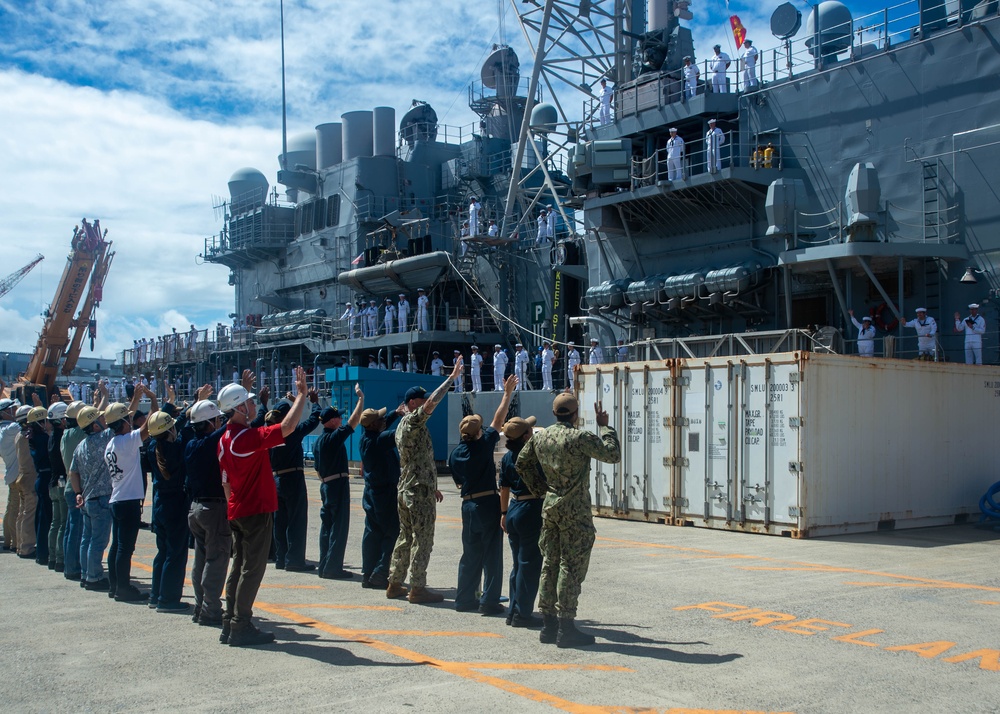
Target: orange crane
[(81, 286), (8, 283)]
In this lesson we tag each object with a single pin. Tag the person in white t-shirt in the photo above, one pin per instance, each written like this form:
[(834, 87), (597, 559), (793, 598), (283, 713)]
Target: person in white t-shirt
[(122, 457)]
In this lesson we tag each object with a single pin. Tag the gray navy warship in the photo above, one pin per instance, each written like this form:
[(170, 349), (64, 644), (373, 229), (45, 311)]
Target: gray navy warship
[(851, 173)]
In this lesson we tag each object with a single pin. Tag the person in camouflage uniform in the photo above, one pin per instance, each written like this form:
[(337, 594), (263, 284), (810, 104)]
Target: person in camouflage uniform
[(563, 453), (418, 493)]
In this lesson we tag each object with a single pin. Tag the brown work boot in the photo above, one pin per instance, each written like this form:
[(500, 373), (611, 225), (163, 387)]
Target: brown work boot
[(419, 594), (395, 590)]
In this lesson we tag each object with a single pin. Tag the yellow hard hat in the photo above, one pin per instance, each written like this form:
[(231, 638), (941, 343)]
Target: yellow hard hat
[(87, 416), (37, 414), (159, 423), (115, 412)]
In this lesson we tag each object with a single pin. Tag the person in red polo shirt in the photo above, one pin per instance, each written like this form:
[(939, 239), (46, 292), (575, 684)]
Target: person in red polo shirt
[(253, 499)]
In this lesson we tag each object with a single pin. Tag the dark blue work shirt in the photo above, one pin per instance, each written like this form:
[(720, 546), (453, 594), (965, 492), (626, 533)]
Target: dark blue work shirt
[(203, 479), (509, 477), (289, 455), (379, 457), (472, 465), (330, 452)]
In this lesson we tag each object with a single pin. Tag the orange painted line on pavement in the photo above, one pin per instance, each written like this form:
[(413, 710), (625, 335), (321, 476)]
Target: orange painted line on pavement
[(986, 602), (465, 670), (423, 633), (328, 606), (291, 587), (544, 667)]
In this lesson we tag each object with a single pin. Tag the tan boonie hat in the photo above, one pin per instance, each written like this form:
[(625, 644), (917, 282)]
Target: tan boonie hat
[(564, 405), (516, 427), (470, 425), (370, 416)]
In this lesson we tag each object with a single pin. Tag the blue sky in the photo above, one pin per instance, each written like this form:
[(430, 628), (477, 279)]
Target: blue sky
[(137, 112)]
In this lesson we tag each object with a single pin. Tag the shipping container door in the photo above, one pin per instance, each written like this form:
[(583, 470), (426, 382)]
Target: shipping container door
[(707, 397), (645, 470), (601, 386), (768, 453)]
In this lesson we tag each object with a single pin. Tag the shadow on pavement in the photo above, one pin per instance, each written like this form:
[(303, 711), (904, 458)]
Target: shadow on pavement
[(328, 654), (631, 645)]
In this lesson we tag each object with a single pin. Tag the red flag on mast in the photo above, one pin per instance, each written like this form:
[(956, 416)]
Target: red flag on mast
[(739, 32)]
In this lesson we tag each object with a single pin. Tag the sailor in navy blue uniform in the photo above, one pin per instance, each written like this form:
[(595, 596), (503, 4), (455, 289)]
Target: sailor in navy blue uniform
[(380, 468), (866, 335), (474, 470), (521, 518)]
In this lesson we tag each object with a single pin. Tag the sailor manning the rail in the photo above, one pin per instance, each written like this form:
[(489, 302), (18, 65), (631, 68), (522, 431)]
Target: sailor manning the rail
[(714, 141), (866, 335), (606, 95), (596, 353), (543, 227), (548, 359), (573, 359), (974, 326), (350, 317), (390, 316), (460, 379), (926, 328), (476, 369), (675, 156), (749, 60), (520, 365), (718, 66), (422, 301), (403, 312), (437, 365), (499, 367), (691, 75), (473, 216)]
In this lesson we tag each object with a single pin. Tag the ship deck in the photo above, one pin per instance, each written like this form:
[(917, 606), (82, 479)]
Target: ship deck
[(686, 619)]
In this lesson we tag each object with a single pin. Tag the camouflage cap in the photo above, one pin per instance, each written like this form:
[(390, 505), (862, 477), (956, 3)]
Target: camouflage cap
[(517, 427), (470, 425), (370, 416), (565, 404)]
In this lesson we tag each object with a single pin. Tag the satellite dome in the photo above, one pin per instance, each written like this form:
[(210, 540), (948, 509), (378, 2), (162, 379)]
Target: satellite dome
[(247, 182), (301, 151), (544, 118), (835, 28)]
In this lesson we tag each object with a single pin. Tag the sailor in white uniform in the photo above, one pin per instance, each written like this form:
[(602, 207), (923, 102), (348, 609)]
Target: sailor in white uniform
[(596, 353), (572, 360), (550, 223), (675, 156), (460, 379), (749, 60), (349, 315), (390, 316), (474, 216), (494, 229), (437, 364), (476, 370), (714, 141), (622, 354), (606, 95), (543, 228), (866, 335), (422, 317), (691, 75), (926, 328), (403, 312), (718, 66), (499, 367), (520, 365), (974, 327), (548, 358), (397, 364)]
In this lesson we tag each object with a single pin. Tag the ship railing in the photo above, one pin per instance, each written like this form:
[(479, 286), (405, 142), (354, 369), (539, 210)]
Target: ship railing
[(442, 133), (483, 98), (452, 319), (948, 346), (653, 169)]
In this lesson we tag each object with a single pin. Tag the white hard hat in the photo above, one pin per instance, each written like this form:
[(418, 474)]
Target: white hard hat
[(22, 413), (57, 410), (6, 404), (232, 395), (203, 411)]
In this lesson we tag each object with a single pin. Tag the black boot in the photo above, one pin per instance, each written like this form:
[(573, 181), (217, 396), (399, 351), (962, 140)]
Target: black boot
[(550, 630), (224, 635), (569, 636), (249, 636)]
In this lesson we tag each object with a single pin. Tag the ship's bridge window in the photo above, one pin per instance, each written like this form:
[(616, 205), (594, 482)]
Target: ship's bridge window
[(305, 216), (333, 210)]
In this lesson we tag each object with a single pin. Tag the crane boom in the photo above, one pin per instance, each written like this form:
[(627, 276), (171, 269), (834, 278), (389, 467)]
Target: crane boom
[(86, 264), (8, 283)]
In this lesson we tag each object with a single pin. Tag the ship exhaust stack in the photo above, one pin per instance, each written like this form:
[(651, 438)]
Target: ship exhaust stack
[(862, 203), (329, 145), (384, 130), (357, 136), (781, 206)]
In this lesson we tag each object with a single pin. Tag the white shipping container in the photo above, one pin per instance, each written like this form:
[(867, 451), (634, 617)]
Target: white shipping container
[(801, 444)]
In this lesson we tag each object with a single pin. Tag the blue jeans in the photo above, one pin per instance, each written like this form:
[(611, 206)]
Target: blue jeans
[(170, 512), (524, 526), (58, 528), (43, 519), (96, 532), (291, 520), (335, 515), (124, 531), (71, 537), (482, 552), (381, 530)]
